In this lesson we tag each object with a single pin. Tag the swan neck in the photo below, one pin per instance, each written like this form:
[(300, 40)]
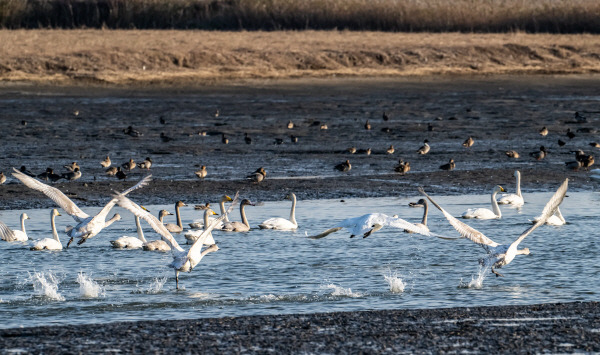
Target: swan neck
[(54, 232), (243, 214), (23, 223), (559, 215), (206, 221), (222, 207), (519, 185), (495, 207), (140, 231), (178, 217), (293, 211), (425, 212)]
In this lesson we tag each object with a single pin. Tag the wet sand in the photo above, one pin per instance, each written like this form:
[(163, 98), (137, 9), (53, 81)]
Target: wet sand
[(52, 126), (547, 328)]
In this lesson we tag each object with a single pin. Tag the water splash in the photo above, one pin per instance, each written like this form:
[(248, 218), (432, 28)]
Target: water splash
[(340, 291), (476, 282), (45, 284), (88, 288), (395, 283), (155, 287)]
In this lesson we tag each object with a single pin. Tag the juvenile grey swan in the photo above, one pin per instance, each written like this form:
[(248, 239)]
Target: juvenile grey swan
[(87, 226), (500, 255), (236, 226), (176, 228)]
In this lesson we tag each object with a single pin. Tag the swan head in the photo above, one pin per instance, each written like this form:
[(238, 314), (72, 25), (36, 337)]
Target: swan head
[(24, 216), (54, 213), (517, 173), (164, 213), (180, 204), (246, 202), (226, 198), (290, 196), (210, 212), (499, 189), (524, 251), (116, 217)]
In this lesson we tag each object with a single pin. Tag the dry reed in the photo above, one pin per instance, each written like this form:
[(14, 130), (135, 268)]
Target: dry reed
[(546, 16)]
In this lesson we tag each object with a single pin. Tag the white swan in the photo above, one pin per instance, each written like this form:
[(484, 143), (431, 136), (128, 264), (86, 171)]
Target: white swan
[(16, 235), (513, 199), (192, 236), (282, 223), (176, 228), (182, 260), (502, 254), (126, 242), (49, 243), (87, 226), (236, 226), (159, 244), (367, 224), (556, 219), (198, 224), (484, 213)]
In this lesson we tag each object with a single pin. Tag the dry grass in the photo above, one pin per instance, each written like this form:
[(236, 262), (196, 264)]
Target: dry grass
[(552, 16), (197, 57)]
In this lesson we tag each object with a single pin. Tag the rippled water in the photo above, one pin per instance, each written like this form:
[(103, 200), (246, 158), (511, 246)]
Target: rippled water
[(270, 272)]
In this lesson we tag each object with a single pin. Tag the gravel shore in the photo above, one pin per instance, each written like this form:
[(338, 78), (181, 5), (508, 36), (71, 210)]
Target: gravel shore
[(545, 328)]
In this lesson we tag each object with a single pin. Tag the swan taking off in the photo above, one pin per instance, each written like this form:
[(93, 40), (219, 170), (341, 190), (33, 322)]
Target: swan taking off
[(484, 213), (182, 260), (502, 254), (87, 226), (367, 224), (282, 223), (49, 243), (513, 199), (16, 235)]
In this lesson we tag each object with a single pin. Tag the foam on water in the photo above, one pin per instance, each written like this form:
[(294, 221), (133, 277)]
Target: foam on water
[(155, 287), (45, 284), (88, 288), (395, 283), (340, 291)]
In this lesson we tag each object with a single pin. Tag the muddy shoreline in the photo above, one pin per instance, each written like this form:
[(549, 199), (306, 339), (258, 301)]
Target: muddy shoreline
[(40, 129), (554, 328)]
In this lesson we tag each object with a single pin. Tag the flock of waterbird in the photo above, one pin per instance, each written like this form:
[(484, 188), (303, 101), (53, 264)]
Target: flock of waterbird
[(202, 242)]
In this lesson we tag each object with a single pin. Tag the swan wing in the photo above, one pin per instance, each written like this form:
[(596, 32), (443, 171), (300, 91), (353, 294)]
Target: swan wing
[(463, 229), (54, 194), (196, 248), (101, 216), (160, 228), (548, 211), (399, 223), (349, 223), (6, 233)]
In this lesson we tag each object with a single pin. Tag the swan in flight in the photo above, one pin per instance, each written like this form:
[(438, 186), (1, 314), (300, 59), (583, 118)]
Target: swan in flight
[(200, 223), (513, 199), (176, 228), (556, 219), (367, 224), (192, 236), (282, 223), (484, 213), (87, 226), (49, 243), (500, 255), (236, 226), (183, 261), (14, 235)]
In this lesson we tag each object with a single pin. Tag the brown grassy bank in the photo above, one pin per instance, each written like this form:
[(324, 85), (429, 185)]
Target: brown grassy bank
[(198, 57), (553, 16)]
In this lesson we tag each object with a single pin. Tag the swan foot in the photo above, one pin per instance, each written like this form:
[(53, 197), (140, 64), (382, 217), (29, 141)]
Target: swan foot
[(497, 273), (69, 242), (177, 279)]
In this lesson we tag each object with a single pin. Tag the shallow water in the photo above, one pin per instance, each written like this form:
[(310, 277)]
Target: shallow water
[(271, 272)]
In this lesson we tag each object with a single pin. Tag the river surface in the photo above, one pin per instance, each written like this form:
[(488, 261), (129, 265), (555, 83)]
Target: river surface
[(276, 272)]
